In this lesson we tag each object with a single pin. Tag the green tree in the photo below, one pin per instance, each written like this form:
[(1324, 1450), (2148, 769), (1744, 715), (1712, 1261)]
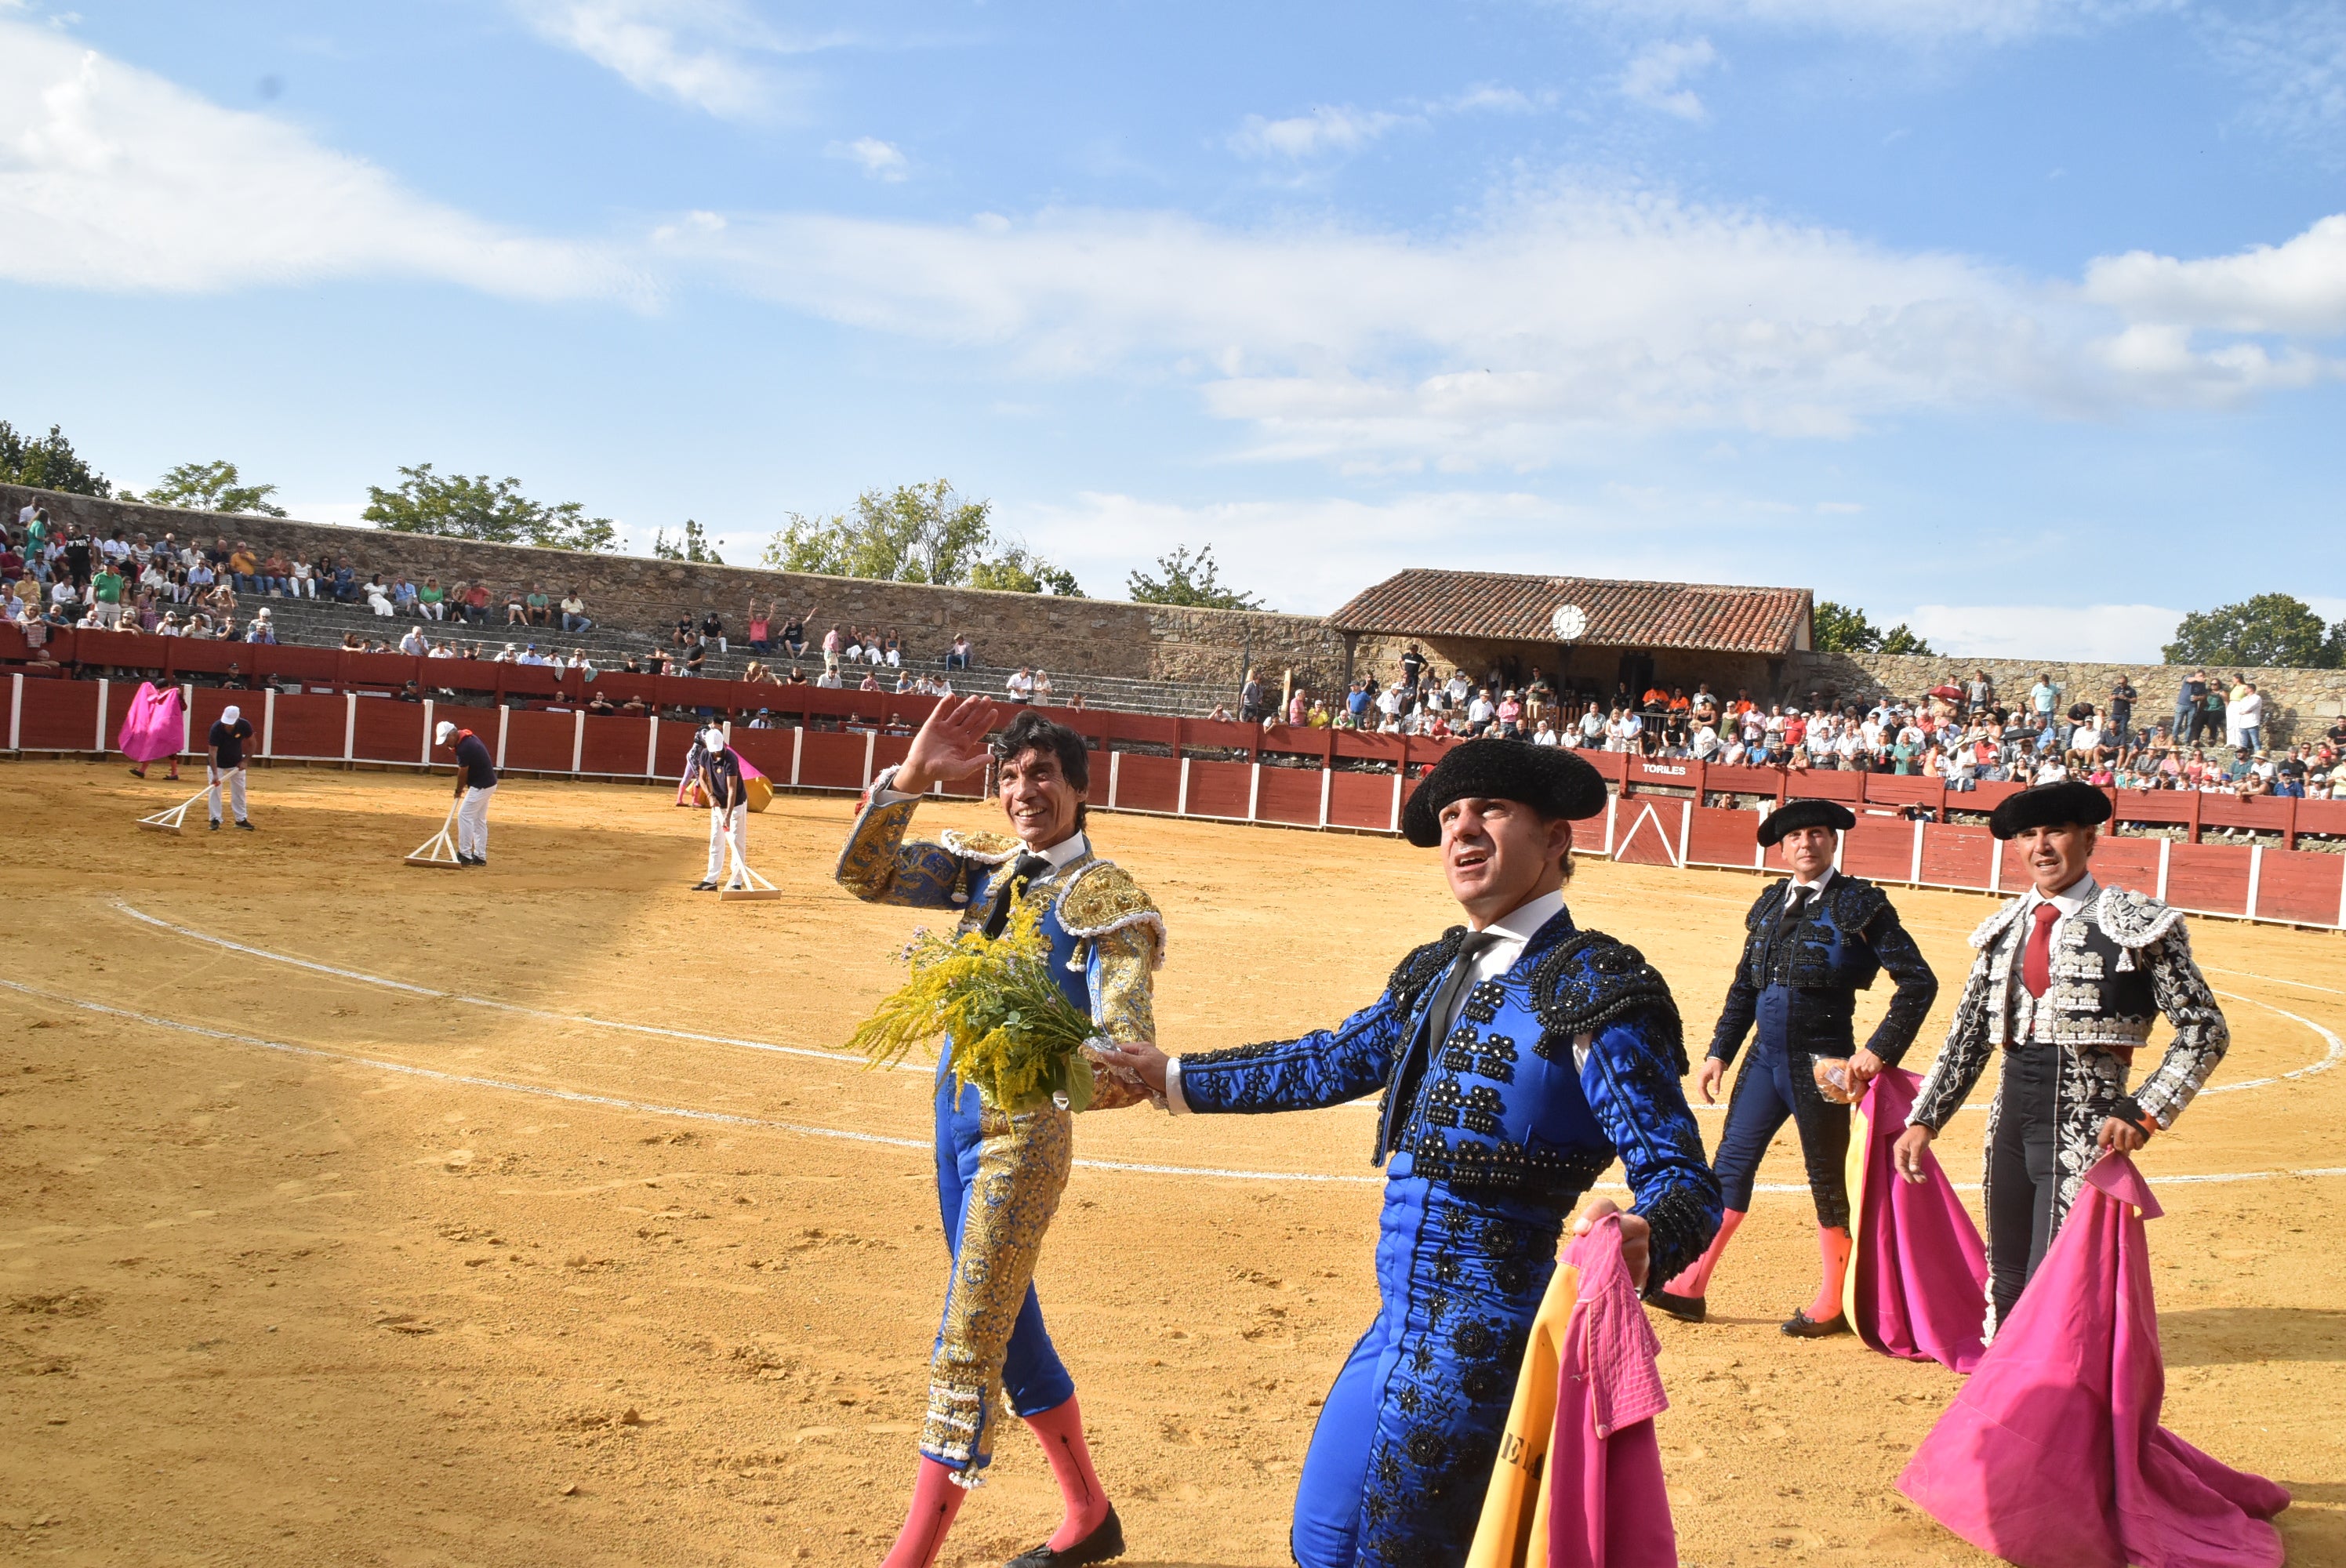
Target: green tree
[(914, 534), (47, 462), (2269, 629), (1186, 580), (211, 487), (1843, 628), (455, 506), (1018, 570), (691, 546)]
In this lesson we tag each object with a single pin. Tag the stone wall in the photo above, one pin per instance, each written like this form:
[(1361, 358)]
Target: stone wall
[(2300, 704), (1091, 637)]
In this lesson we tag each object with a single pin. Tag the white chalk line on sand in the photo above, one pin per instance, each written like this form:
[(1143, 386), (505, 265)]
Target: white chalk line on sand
[(765, 1124), (364, 978)]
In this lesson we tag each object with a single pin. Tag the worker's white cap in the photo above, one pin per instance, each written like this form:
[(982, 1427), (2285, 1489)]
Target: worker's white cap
[(230, 714), (713, 739), (442, 731)]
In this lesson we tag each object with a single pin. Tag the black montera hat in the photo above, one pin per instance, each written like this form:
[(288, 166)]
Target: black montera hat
[(2050, 806), (1550, 780), (1806, 814)]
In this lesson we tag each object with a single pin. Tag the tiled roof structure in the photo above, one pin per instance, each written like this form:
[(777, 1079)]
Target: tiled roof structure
[(1711, 617)]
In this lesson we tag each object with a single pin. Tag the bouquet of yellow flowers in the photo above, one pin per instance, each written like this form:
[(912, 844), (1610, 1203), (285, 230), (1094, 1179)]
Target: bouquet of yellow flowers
[(1011, 1030)]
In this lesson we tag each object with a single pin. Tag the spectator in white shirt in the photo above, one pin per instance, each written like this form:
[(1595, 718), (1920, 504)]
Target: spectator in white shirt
[(1020, 686), (1706, 743)]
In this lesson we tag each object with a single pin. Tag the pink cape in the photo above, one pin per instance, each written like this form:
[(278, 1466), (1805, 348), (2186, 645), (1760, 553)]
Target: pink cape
[(1606, 1505), (2052, 1456), (688, 791), (155, 726), (1917, 1281)]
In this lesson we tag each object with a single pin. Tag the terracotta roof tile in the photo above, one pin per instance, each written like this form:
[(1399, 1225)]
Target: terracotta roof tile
[(1717, 618)]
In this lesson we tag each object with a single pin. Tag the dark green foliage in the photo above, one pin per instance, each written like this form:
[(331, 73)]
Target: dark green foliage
[(461, 507), (2269, 629), (1186, 580), (47, 462)]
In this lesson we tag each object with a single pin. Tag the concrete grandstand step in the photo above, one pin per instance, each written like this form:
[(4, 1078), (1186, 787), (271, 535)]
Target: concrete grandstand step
[(322, 623)]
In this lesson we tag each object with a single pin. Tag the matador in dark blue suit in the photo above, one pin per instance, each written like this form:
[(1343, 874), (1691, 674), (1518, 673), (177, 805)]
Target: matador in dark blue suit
[(1517, 1063), (1811, 944)]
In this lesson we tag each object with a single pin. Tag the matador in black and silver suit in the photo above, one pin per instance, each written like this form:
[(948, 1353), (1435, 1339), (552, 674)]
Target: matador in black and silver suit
[(2064, 990)]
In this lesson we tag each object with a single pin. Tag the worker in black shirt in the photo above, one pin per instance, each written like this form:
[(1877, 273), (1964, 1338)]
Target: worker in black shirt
[(224, 765), (720, 774), (476, 780)]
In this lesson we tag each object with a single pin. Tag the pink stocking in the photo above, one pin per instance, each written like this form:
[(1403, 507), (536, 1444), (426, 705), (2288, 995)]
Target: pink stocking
[(1060, 1431), (936, 1498), (1695, 1281), (1832, 1262)]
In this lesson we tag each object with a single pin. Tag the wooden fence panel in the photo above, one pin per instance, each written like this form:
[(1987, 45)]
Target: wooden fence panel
[(2212, 879), (1218, 789), (1146, 783), (1288, 795)]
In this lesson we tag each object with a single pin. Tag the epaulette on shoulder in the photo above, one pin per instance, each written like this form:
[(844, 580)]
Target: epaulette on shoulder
[(1985, 931), (1590, 980), (1419, 968), (1856, 903), (985, 848), (1102, 897), (2132, 919)]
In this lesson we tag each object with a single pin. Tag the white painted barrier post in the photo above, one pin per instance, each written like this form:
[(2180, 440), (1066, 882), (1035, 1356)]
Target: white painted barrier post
[(269, 723), (871, 746), (1397, 802), (1254, 790), (651, 748), (186, 719), (1181, 802), (423, 756), (2165, 851), (103, 687), (1686, 829), (350, 730), (1115, 769), (1916, 876), (797, 753), (1326, 787), (2256, 877), (16, 712), (504, 713), (577, 740)]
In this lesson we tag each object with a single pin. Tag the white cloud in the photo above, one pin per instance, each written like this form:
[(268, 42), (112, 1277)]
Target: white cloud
[(1916, 21), (2297, 288), (880, 159), (2295, 65), (2113, 634), (699, 53), (1655, 75), (113, 177), (1560, 320), (1325, 131)]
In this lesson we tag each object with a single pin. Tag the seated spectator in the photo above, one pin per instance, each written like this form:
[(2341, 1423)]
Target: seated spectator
[(1546, 734), (596, 703), (431, 603), (797, 677), (476, 603), (378, 594), (793, 638), (828, 679), (1076, 701), (517, 610), (712, 629), (403, 594), (892, 646), (234, 680), (301, 580), (413, 643), (871, 681), (573, 612), (539, 607), (958, 657), (346, 584), (696, 659), (262, 630), (1222, 715)]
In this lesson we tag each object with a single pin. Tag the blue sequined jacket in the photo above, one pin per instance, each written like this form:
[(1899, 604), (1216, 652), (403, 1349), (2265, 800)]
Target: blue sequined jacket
[(1554, 1070)]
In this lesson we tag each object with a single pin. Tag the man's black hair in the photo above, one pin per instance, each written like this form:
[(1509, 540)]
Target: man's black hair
[(1030, 731)]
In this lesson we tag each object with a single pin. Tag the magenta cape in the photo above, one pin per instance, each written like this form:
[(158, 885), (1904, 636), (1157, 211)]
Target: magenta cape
[(1578, 1481), (688, 789), (155, 726), (1917, 1281), (2052, 1456)]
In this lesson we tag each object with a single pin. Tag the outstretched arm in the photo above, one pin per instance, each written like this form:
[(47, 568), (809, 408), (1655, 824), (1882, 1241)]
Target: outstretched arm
[(1325, 1068)]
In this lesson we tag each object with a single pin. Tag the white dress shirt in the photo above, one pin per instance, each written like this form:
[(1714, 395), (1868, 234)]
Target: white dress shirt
[(1513, 931)]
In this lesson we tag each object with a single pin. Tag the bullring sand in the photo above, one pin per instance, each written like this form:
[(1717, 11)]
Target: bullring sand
[(425, 1263)]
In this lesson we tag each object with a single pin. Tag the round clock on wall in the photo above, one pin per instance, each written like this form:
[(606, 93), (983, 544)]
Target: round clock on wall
[(1569, 622)]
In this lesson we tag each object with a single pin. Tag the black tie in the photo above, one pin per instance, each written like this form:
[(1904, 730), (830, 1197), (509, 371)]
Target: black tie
[(1796, 904), (1027, 869)]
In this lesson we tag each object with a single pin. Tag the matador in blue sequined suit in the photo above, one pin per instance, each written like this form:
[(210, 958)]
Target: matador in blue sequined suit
[(1516, 1064)]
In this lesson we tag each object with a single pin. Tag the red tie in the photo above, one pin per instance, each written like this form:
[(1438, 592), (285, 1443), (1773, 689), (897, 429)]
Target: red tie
[(2037, 963)]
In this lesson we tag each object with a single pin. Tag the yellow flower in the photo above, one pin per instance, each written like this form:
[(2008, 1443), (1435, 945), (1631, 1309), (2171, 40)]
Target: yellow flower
[(1009, 1028)]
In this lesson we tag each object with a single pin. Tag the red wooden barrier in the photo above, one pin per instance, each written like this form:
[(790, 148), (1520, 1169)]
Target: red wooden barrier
[(2212, 878)]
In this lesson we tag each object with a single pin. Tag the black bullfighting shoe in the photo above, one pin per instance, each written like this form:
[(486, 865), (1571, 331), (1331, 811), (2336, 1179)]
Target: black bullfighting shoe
[(1685, 1309), (1099, 1546), (1800, 1326)]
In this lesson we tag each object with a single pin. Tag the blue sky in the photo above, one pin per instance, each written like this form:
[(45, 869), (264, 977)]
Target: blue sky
[(2021, 320)]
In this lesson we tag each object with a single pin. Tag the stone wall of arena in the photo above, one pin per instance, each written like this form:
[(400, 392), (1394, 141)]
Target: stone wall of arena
[(1149, 641), (1096, 636)]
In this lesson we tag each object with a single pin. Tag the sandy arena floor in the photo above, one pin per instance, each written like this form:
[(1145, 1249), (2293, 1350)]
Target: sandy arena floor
[(423, 1264)]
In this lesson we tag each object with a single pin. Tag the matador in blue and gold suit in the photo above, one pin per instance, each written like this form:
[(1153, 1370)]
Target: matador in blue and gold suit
[(1000, 1174), (1516, 1063)]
